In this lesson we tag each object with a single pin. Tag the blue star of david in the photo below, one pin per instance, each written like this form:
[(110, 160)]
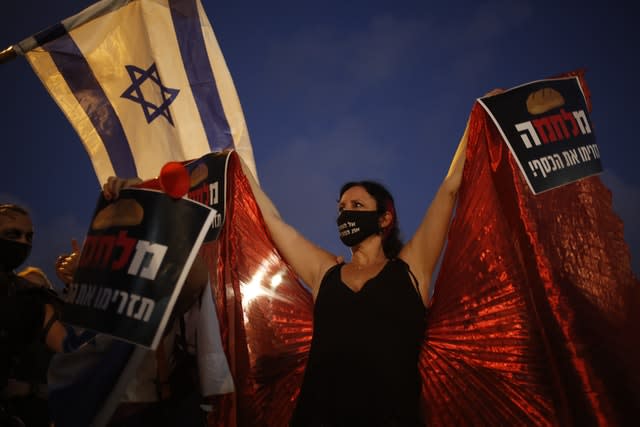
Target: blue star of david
[(134, 92)]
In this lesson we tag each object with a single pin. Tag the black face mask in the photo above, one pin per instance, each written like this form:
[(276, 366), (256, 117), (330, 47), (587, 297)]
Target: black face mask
[(355, 226), (12, 254)]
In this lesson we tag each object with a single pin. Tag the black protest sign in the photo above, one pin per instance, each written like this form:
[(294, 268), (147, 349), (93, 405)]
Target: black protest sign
[(547, 128), (208, 186), (133, 264)]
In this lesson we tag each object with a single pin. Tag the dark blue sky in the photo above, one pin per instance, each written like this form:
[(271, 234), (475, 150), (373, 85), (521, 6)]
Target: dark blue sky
[(334, 91)]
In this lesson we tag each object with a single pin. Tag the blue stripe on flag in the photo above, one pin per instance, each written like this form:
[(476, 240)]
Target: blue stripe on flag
[(51, 33), (186, 22), (83, 84)]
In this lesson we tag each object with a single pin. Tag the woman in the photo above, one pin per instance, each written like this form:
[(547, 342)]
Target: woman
[(368, 312)]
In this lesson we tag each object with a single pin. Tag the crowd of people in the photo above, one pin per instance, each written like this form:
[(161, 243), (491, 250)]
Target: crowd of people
[(368, 328), (382, 276), (31, 331), (334, 391)]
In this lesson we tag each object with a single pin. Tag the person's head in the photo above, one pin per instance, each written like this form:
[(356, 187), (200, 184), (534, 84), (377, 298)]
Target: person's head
[(36, 276), (16, 234), (366, 208)]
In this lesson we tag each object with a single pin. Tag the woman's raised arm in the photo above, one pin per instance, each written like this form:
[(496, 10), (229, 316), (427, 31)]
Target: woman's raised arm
[(424, 248), (309, 261)]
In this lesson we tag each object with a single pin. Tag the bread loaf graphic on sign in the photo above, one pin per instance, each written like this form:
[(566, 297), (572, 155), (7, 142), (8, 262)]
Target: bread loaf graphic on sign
[(543, 100), (199, 174), (122, 213)]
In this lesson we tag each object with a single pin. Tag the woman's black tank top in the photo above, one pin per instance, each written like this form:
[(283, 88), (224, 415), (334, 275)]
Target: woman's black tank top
[(363, 363)]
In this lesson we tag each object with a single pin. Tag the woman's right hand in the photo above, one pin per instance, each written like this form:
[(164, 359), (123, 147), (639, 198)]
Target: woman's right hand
[(111, 188), (496, 91)]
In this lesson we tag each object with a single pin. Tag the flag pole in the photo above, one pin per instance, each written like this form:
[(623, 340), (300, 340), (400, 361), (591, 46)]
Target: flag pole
[(7, 54)]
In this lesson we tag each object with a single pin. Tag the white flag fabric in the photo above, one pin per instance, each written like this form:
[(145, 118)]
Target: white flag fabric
[(143, 82)]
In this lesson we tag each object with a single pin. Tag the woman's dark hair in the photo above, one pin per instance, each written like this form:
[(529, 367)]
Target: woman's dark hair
[(391, 242)]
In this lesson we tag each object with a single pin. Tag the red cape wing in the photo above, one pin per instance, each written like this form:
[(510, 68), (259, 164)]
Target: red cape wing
[(535, 304)]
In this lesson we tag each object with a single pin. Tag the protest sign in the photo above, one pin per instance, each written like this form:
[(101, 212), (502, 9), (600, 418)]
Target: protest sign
[(547, 128), (134, 261)]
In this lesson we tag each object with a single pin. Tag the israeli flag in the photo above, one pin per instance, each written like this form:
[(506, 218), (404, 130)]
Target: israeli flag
[(143, 82)]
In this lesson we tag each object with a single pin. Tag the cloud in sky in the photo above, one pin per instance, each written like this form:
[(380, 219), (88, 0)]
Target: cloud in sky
[(405, 77), (326, 63), (350, 87), (483, 22)]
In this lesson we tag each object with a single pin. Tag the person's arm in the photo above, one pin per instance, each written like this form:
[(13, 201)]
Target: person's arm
[(61, 338), (309, 261), (421, 253), (54, 330), (423, 250)]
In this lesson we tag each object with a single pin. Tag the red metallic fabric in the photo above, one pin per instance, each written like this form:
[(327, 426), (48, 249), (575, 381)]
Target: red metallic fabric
[(265, 316), (532, 320), (533, 316)]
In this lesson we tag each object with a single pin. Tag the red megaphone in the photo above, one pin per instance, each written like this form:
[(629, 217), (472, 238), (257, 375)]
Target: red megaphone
[(173, 180)]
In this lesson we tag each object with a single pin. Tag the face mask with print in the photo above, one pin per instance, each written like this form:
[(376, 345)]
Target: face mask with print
[(355, 226)]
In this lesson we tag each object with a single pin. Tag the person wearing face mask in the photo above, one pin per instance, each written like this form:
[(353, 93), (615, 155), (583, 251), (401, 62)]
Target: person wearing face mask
[(28, 312), (368, 312)]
